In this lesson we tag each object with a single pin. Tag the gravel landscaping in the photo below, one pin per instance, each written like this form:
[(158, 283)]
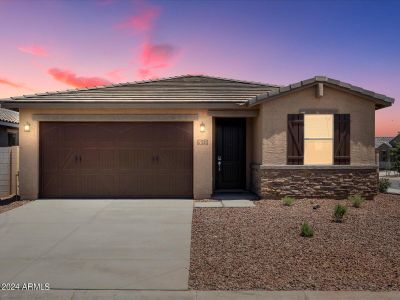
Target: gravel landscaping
[(261, 247), (14, 204)]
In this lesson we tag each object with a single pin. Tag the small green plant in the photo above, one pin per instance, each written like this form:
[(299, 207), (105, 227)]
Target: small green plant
[(384, 184), (339, 212), (356, 200), (306, 230), (287, 201)]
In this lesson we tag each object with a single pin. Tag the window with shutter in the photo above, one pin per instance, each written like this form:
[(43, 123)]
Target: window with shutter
[(342, 139), (295, 139), (318, 139)]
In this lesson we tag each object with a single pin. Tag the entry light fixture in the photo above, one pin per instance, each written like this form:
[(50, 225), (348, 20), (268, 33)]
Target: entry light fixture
[(27, 127), (202, 127)]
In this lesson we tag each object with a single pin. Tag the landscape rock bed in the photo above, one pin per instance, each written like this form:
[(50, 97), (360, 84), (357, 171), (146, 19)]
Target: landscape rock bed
[(261, 247), (11, 205)]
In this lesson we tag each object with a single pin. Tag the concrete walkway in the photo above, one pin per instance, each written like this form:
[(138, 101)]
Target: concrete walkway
[(98, 244), (200, 295), (394, 185), (224, 203)]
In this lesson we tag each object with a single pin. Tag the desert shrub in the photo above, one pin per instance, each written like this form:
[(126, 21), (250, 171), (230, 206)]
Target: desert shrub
[(384, 184), (356, 200), (287, 201), (339, 212), (306, 230)]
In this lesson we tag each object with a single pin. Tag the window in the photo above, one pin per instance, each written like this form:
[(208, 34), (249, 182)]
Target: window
[(384, 156), (12, 139), (318, 139)]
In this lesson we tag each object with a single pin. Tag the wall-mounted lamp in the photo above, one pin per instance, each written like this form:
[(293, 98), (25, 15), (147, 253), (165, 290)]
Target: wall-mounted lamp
[(202, 127), (27, 127)]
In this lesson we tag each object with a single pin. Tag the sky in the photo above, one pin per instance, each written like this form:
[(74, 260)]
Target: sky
[(59, 45)]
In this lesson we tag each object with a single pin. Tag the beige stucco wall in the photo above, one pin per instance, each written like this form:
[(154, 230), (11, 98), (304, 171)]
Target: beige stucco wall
[(266, 134), (271, 125), (29, 147)]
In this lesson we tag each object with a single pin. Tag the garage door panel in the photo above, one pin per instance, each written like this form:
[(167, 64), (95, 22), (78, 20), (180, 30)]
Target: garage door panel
[(136, 185), (166, 183), (172, 159), (65, 184), (132, 158), (109, 160), (97, 185), (97, 159)]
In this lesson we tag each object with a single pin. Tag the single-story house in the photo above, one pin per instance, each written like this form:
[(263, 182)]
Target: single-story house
[(383, 147), (190, 136), (9, 123)]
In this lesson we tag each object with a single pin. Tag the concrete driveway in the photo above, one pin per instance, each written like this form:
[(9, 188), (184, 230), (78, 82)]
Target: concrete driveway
[(98, 244)]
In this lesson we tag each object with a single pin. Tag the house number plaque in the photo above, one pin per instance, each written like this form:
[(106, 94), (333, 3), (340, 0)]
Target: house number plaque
[(202, 142)]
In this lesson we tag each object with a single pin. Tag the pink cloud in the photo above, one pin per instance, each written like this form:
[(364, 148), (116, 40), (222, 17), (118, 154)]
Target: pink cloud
[(12, 83), (142, 21), (144, 73), (72, 79), (155, 56), (116, 75), (33, 50)]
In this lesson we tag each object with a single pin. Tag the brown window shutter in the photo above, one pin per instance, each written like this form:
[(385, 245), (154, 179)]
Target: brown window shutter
[(295, 139), (342, 139)]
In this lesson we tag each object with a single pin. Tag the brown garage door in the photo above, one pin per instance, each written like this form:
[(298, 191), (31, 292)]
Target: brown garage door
[(116, 160)]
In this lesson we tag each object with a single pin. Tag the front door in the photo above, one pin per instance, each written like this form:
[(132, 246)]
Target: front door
[(230, 153)]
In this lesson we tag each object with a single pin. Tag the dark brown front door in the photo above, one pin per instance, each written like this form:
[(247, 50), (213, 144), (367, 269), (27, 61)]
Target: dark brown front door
[(116, 160), (230, 152)]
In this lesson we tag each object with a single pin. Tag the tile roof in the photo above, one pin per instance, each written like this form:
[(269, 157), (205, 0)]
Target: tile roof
[(9, 116), (187, 88), (325, 80), (379, 140)]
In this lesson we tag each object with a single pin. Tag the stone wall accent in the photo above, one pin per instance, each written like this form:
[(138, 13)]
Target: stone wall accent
[(335, 182)]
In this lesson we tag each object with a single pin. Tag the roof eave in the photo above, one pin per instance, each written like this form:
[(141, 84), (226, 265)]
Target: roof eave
[(380, 100), (115, 104), (9, 124)]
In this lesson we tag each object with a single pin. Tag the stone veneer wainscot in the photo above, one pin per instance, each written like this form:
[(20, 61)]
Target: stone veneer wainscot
[(336, 182)]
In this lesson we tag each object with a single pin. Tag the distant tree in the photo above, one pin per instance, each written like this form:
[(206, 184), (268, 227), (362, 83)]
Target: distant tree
[(395, 152)]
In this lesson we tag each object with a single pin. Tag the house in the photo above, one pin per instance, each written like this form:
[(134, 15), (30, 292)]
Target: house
[(189, 136), (9, 123), (383, 145)]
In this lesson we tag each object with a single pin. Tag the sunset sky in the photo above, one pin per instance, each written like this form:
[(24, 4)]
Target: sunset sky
[(57, 45)]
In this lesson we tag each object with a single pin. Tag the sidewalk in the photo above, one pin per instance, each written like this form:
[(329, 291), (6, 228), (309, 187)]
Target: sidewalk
[(394, 182), (199, 295)]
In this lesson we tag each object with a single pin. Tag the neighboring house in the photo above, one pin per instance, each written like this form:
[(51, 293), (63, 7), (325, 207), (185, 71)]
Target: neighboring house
[(9, 123), (383, 147), (189, 136)]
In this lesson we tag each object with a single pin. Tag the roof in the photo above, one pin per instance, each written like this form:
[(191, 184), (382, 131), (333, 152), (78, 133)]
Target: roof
[(187, 88), (385, 100), (379, 140), (184, 90), (9, 116), (389, 141)]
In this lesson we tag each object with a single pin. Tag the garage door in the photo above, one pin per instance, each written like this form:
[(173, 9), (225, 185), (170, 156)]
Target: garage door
[(116, 160)]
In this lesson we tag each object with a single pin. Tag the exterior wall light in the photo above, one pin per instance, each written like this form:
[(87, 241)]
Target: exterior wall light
[(202, 127), (27, 127)]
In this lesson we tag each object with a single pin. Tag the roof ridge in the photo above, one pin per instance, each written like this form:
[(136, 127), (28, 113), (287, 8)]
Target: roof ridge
[(236, 80), (70, 91)]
